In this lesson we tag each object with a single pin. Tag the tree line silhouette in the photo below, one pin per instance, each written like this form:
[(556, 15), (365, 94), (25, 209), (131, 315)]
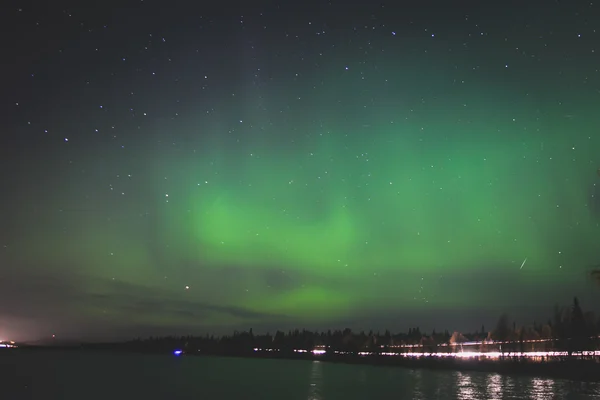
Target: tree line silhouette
[(570, 330)]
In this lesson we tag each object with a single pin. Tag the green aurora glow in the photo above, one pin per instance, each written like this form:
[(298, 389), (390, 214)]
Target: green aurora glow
[(321, 200)]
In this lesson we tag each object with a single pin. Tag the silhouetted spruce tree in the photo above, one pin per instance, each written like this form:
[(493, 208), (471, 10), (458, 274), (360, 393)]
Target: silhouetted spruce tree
[(522, 340), (561, 329), (502, 331), (579, 337)]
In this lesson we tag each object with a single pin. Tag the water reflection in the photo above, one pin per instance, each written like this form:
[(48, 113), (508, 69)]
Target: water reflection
[(417, 380), (465, 389), (509, 385), (423, 384), (316, 381), (494, 387), (542, 389)]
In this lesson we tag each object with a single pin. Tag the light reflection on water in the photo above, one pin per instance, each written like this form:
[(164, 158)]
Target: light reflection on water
[(315, 381), (494, 387), (464, 388), (422, 384), (542, 389), (417, 376)]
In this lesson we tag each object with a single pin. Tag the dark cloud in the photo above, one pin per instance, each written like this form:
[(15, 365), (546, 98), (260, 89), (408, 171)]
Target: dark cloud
[(32, 293), (143, 300), (65, 300), (282, 279)]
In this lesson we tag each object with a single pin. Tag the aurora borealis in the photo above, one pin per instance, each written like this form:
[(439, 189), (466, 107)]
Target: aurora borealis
[(310, 165)]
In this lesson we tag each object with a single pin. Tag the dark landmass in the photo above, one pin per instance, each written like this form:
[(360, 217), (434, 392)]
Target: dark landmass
[(571, 368), (566, 347)]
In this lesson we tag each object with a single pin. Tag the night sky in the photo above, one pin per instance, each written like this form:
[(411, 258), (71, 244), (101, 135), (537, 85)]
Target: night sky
[(169, 168)]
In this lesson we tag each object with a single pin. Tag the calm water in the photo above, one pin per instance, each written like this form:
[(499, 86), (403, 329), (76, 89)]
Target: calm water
[(79, 375)]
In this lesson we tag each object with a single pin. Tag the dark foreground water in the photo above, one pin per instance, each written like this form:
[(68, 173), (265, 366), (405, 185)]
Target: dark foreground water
[(76, 375)]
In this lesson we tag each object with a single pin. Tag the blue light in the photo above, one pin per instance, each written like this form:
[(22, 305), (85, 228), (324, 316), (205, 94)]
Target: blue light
[(178, 352)]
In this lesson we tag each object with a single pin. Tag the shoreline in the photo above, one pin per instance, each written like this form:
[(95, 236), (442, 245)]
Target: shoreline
[(583, 370), (574, 369)]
